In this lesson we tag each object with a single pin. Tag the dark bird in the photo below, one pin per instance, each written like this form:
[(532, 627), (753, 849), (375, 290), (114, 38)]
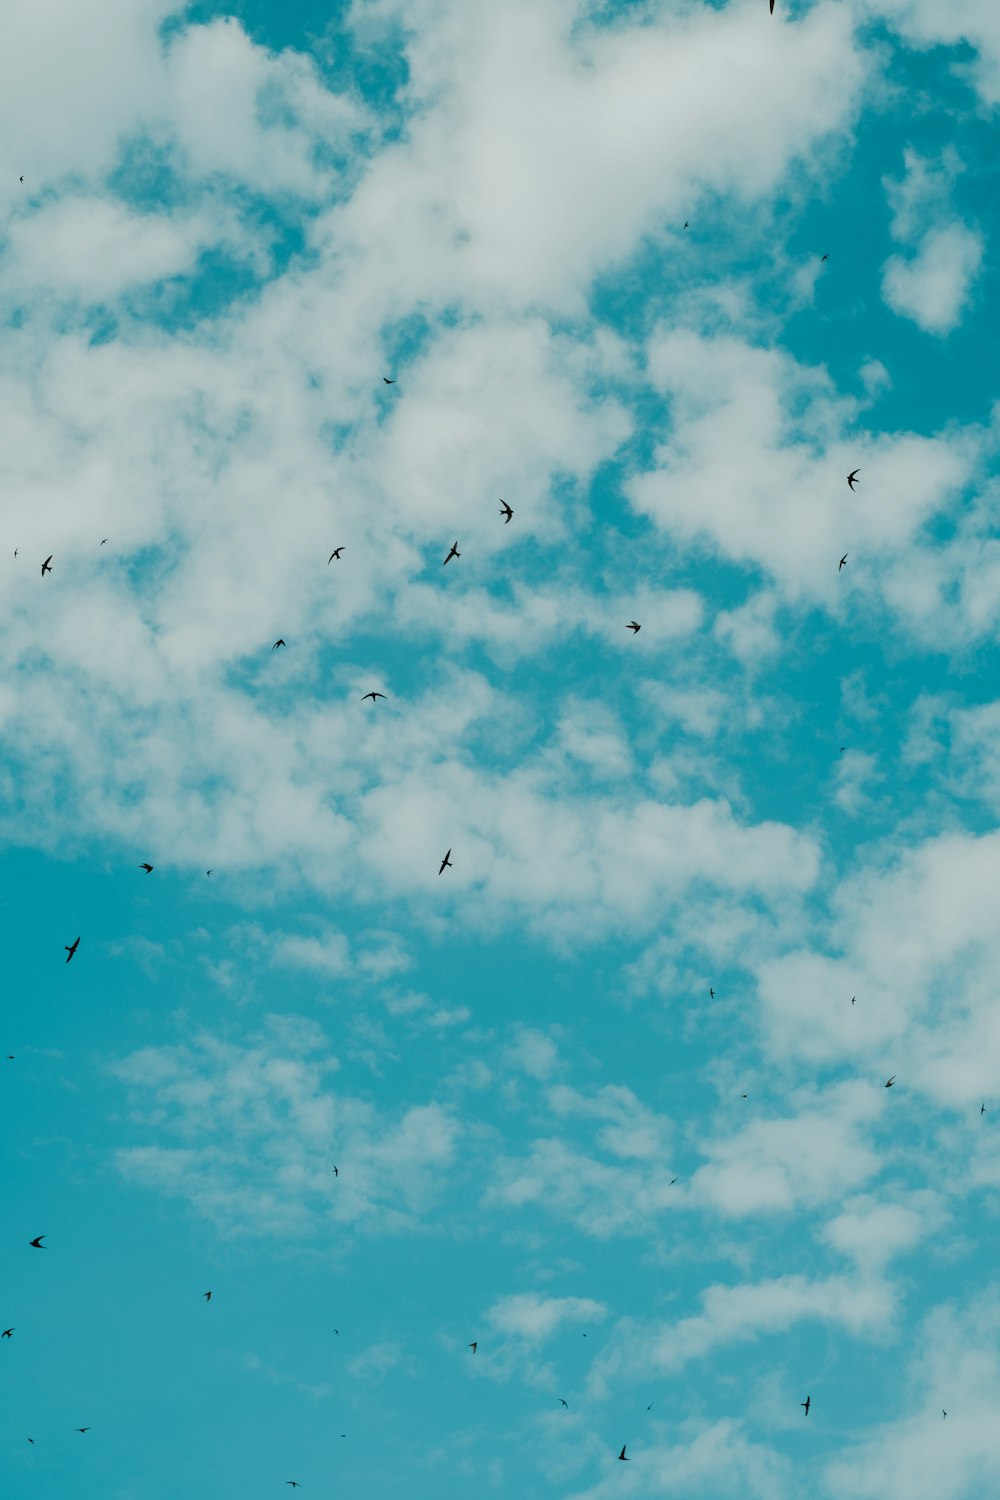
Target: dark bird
[(650, 1406), (505, 511), (6, 1333), (104, 542), (277, 643), (207, 1296), (334, 554), (453, 553), (15, 551), (561, 1401), (446, 864), (622, 1455), (474, 1345), (335, 1172), (982, 1109), (208, 872), (37, 1242), (806, 1403), (31, 1441), (373, 696), (853, 998), (842, 749), (711, 994), (634, 626), (891, 1081), (943, 1412), (852, 477), (45, 565), (71, 950), (21, 179), (148, 868), (387, 380), (823, 258), (843, 562), (81, 1429), (671, 1183)]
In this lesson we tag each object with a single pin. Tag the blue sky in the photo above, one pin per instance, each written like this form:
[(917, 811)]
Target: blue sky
[(598, 1095)]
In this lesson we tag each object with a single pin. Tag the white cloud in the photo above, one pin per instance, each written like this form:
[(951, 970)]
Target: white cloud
[(934, 286), (527, 1315)]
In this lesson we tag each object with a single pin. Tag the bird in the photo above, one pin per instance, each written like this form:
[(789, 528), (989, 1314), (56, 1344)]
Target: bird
[(843, 562), (207, 1296), (71, 950), (334, 554), (650, 1406), (890, 1081), (823, 258), (634, 626), (446, 864), (81, 1429), (372, 696), (37, 1242), (387, 380), (982, 1110), (6, 1333), (474, 1345), (278, 642), (622, 1455), (506, 512), (335, 1172), (670, 1184), (853, 998), (561, 1401), (104, 542), (208, 872), (943, 1412), (711, 993), (45, 565), (453, 553), (15, 551), (806, 1403), (853, 477), (21, 179), (148, 868)]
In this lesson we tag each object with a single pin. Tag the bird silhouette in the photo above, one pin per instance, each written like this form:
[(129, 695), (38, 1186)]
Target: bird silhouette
[(446, 864), (37, 1242), (890, 1081), (104, 542), (806, 1403), (148, 868), (852, 477), (277, 643), (387, 380), (207, 1296), (372, 696), (823, 258), (45, 565), (474, 1345), (943, 1412), (453, 553), (623, 1455), (208, 872), (711, 993), (6, 1333), (506, 512), (634, 627), (843, 562), (81, 1429), (853, 998), (982, 1110), (70, 950), (335, 1172), (561, 1401), (334, 554)]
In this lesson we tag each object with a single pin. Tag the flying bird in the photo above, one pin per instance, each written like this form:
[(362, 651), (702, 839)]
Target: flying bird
[(982, 1109), (6, 1333), (670, 1184), (891, 1081), (387, 380), (453, 553), (474, 1345), (853, 998), (71, 950), (81, 1429), (943, 1412), (278, 642), (104, 542), (634, 627), (335, 1172), (373, 696), (823, 258), (806, 1403), (711, 993), (622, 1455), (37, 1242), (650, 1406), (334, 554), (45, 565), (843, 562), (207, 1296), (148, 868), (852, 477), (561, 1401), (506, 512), (446, 864)]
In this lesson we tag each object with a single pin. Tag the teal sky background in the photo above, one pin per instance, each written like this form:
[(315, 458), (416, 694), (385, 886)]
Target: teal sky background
[(598, 1096)]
